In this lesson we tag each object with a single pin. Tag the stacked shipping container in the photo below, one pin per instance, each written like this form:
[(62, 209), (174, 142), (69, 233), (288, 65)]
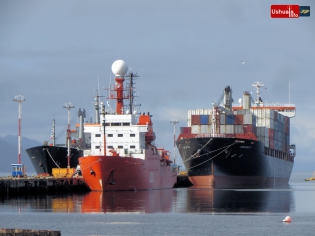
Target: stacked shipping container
[(273, 129), (201, 121), (269, 126)]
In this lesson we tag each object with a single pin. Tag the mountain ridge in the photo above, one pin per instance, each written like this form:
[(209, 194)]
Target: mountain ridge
[(9, 153)]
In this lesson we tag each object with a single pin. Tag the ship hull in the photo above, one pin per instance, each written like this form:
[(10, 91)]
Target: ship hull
[(44, 158), (231, 162), (108, 173)]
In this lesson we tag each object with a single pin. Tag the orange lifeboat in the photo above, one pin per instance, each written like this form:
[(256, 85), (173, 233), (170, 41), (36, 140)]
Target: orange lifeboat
[(145, 119)]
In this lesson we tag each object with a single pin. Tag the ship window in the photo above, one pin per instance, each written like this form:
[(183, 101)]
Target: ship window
[(97, 135), (110, 146), (132, 146), (107, 124), (116, 124), (109, 135), (120, 146), (132, 135), (126, 124), (120, 135), (97, 147)]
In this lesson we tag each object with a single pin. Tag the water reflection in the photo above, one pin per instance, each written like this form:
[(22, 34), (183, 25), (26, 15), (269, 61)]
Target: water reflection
[(239, 200), (125, 201), (182, 200)]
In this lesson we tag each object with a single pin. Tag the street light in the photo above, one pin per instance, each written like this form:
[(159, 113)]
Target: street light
[(68, 106), (174, 122)]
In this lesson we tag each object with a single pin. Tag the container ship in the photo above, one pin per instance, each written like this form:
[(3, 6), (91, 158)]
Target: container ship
[(123, 155), (243, 145)]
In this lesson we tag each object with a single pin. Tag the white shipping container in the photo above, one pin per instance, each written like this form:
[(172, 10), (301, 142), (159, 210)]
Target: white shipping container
[(222, 129), (229, 129), (265, 122), (205, 129), (248, 119), (189, 123), (191, 112), (195, 129), (222, 119), (238, 129)]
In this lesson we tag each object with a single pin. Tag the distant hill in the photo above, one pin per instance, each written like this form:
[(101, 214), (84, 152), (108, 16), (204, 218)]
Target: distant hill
[(9, 153)]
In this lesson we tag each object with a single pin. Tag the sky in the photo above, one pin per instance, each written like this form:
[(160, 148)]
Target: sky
[(185, 52)]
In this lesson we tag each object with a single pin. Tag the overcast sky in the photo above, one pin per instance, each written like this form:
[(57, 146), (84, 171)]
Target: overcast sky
[(185, 52)]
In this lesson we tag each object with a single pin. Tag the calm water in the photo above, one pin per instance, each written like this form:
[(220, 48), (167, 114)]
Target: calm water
[(184, 211)]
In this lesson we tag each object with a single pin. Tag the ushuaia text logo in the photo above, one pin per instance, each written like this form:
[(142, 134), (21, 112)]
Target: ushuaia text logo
[(289, 11), (285, 11)]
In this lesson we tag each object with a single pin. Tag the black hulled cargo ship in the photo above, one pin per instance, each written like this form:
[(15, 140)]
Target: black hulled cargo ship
[(48, 156), (244, 145), (45, 157)]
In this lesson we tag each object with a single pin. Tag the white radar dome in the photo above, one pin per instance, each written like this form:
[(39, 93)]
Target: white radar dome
[(119, 68)]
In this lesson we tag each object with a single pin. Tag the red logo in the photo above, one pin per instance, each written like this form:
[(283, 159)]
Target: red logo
[(285, 11)]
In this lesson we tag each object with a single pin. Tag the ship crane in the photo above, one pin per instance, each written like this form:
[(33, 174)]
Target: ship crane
[(226, 98)]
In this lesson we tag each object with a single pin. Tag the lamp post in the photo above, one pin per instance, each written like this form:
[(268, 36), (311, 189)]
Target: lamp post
[(19, 99), (174, 122), (68, 106)]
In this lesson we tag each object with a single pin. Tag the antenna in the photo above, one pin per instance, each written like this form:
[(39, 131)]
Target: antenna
[(19, 99)]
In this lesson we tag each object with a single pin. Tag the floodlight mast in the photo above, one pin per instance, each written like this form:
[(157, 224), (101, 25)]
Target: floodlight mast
[(68, 106), (19, 99), (174, 122)]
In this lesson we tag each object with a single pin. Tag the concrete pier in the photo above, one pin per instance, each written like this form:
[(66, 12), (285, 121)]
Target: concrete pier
[(28, 232), (38, 184)]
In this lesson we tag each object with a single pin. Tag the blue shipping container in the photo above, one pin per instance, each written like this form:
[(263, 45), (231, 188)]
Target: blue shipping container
[(229, 120), (204, 119)]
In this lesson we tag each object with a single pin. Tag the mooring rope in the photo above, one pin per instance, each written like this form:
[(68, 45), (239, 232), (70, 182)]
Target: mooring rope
[(52, 158), (211, 157), (192, 156)]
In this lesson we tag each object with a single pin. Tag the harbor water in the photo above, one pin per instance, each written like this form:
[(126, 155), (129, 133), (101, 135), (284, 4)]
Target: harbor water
[(181, 211)]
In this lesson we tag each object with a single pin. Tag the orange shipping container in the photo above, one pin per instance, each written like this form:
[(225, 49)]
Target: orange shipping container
[(195, 119), (238, 119)]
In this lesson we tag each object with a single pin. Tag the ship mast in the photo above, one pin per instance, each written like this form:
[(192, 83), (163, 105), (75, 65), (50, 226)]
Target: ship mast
[(52, 136), (258, 85)]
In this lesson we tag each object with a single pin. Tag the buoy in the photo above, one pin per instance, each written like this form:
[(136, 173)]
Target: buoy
[(287, 219)]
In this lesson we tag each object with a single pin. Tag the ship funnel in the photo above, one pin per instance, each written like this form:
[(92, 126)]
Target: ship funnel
[(227, 102), (246, 100)]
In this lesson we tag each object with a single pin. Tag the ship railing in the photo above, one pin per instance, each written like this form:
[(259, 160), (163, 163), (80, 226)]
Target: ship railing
[(282, 105), (214, 136)]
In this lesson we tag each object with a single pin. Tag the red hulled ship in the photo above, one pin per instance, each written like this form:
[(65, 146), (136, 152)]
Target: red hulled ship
[(123, 155)]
